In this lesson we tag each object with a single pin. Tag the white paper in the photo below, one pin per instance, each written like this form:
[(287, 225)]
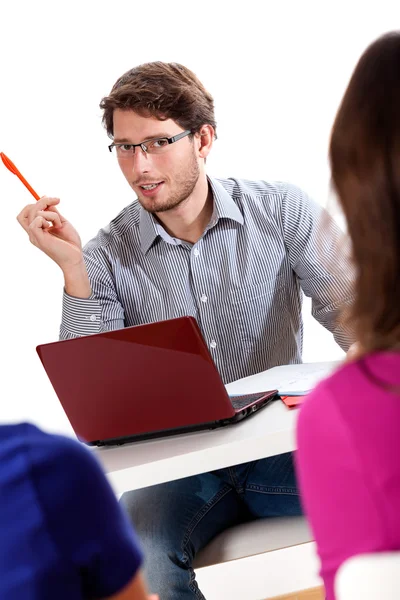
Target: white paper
[(287, 379)]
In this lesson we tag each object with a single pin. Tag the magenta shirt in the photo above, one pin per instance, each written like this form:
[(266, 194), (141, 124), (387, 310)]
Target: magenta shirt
[(348, 463)]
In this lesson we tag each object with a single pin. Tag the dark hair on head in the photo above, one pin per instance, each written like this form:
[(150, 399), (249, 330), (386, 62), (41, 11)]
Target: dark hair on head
[(365, 163), (161, 90)]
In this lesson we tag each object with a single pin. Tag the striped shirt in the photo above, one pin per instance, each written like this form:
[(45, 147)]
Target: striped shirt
[(243, 280)]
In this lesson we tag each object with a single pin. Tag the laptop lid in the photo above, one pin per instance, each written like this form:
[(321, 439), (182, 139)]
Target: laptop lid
[(136, 380)]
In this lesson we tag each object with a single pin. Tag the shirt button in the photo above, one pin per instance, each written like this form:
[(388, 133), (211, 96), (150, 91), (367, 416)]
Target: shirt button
[(213, 344), (196, 252), (204, 298), (92, 317)]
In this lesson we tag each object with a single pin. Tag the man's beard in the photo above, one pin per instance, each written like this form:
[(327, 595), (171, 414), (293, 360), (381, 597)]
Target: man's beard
[(185, 185)]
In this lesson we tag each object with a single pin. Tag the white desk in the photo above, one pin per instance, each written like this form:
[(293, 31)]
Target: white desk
[(142, 464)]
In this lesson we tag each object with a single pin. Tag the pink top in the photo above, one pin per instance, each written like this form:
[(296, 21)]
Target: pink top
[(348, 463)]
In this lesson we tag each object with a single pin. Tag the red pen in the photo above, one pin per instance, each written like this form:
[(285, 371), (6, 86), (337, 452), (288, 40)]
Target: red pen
[(11, 167)]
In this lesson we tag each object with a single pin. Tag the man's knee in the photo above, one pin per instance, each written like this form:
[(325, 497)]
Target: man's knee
[(159, 525)]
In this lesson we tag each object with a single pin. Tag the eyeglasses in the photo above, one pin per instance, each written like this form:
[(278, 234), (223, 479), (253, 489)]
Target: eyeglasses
[(155, 146)]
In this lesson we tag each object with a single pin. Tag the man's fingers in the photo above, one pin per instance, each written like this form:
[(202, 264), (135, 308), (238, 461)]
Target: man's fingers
[(36, 229), (23, 218), (46, 201), (51, 203), (39, 223), (51, 216), (30, 212)]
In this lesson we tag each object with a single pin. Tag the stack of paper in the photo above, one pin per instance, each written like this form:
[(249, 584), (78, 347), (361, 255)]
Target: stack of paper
[(289, 380)]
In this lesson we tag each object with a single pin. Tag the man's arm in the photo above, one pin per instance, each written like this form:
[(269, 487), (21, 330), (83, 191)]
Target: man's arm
[(91, 304), (95, 308), (319, 255)]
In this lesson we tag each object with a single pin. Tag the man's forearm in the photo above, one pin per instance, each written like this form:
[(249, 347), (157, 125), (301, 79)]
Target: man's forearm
[(84, 300), (77, 282)]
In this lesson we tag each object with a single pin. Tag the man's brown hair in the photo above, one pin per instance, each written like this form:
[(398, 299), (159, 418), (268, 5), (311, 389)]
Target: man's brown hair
[(365, 162), (162, 90)]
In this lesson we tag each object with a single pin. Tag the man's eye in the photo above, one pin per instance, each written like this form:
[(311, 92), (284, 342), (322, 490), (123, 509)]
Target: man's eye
[(159, 143), (125, 147)]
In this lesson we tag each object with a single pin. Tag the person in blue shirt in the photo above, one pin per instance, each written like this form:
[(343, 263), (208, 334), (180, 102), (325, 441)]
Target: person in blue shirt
[(62, 533)]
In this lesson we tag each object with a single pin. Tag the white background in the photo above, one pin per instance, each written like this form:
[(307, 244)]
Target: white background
[(277, 71)]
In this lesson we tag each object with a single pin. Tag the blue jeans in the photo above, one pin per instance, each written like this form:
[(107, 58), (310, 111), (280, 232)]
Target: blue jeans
[(176, 519)]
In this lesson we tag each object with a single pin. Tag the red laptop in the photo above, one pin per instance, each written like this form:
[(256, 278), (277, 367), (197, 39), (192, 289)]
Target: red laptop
[(142, 382)]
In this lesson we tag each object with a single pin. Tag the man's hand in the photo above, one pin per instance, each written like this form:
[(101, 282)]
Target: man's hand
[(49, 231)]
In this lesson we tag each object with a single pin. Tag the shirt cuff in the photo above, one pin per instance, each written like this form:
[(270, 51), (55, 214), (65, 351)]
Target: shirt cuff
[(80, 316)]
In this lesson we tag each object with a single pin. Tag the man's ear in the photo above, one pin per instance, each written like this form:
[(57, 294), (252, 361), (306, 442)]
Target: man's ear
[(205, 137)]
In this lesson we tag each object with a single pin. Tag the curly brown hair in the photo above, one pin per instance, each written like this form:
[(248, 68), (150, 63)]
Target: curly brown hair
[(161, 90)]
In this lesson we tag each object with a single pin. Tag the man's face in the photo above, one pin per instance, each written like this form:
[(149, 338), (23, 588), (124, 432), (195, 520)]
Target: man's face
[(175, 171)]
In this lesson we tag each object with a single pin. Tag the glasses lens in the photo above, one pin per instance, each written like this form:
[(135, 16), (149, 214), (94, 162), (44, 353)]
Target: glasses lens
[(123, 151), (157, 146)]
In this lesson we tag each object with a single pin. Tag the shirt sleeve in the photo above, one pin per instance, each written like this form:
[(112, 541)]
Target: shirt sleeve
[(102, 311), (86, 523), (319, 255), (338, 501)]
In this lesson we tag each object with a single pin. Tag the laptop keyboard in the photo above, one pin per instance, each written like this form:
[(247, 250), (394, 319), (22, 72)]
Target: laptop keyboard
[(239, 402)]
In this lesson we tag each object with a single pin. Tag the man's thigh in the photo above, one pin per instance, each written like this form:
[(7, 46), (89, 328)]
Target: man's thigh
[(178, 518), (270, 489)]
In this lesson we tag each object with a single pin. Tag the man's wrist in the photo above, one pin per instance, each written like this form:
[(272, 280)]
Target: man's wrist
[(76, 281)]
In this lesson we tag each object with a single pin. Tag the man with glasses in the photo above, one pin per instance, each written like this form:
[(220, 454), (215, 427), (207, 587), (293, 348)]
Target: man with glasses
[(234, 254)]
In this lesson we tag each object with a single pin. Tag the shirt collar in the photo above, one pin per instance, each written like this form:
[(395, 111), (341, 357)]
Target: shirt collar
[(224, 205), (224, 208), (148, 230)]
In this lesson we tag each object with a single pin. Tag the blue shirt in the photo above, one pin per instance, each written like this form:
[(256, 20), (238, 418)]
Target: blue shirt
[(62, 532)]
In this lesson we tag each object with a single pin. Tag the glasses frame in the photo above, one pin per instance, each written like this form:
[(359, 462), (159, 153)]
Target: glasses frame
[(142, 145)]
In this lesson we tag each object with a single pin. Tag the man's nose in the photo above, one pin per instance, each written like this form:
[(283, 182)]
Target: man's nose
[(140, 161)]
